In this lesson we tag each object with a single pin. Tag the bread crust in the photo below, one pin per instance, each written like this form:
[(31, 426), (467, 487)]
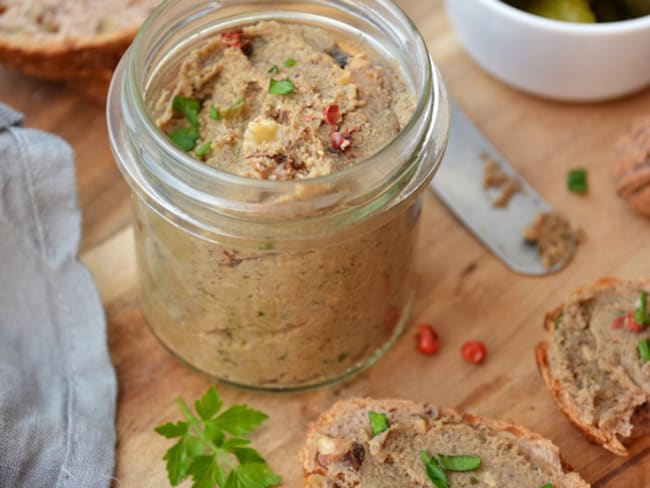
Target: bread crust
[(562, 400), (87, 58), (543, 448)]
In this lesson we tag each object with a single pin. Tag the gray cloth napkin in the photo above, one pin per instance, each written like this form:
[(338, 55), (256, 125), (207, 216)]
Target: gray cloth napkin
[(57, 385)]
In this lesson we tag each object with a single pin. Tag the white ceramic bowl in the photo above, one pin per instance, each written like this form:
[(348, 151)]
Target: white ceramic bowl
[(559, 60)]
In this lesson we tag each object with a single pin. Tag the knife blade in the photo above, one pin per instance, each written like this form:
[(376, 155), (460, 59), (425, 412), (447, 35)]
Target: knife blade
[(459, 184)]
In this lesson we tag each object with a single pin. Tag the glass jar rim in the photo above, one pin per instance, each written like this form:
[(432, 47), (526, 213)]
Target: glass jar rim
[(430, 106)]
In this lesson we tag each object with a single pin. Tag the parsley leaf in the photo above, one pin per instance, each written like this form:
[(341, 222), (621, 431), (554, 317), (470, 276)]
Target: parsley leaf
[(290, 63), (274, 70), (202, 151), (246, 455), (435, 467), (459, 463), (547, 485), (215, 114), (202, 471), (209, 404), (576, 180), (434, 471), (251, 475), (378, 422), (204, 452), (170, 430), (641, 313), (177, 462), (240, 420), (280, 87), (185, 137), (189, 107)]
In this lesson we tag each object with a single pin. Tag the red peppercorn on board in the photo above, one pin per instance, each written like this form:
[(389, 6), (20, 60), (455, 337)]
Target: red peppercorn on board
[(463, 290)]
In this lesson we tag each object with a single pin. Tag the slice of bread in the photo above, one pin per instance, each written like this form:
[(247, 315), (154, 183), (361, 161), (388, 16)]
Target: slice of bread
[(591, 363), (68, 39), (631, 165), (342, 452)]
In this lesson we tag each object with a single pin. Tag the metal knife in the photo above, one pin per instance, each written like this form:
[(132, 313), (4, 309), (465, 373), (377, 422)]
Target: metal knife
[(459, 184)]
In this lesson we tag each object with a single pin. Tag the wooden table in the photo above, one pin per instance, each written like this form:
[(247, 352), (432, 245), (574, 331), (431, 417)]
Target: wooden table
[(462, 289)]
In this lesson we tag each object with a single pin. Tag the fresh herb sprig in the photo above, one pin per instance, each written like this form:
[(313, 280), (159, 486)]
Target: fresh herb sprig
[(212, 447), (436, 467)]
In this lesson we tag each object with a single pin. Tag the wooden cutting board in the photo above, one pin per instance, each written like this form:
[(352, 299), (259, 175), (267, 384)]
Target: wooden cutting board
[(462, 288)]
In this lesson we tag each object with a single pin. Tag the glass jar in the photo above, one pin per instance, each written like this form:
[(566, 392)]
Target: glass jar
[(274, 285)]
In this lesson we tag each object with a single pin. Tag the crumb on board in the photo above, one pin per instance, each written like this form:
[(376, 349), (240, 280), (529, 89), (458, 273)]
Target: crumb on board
[(495, 177), (555, 237)]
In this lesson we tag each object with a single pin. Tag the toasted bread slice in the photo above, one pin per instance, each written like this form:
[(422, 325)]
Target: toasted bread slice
[(591, 364), (342, 452), (69, 39), (631, 165)]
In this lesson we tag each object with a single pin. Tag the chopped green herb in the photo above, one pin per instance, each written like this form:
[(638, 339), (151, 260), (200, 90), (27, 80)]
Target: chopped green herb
[(274, 70), (641, 313), (235, 106), (189, 107), (556, 320), (290, 63), (434, 471), (644, 350), (547, 485), (474, 480), (205, 452), (203, 149), (280, 87), (378, 422), (215, 114), (459, 463), (185, 138), (576, 180)]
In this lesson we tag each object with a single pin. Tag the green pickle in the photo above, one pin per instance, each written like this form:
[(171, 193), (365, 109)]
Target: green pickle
[(585, 11), (609, 10), (636, 8), (566, 10)]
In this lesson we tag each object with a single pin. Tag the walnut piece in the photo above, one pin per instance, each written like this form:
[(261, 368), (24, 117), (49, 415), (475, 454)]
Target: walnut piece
[(331, 451)]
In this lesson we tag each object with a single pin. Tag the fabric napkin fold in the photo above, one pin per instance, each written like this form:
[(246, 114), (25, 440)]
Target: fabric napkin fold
[(57, 384)]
